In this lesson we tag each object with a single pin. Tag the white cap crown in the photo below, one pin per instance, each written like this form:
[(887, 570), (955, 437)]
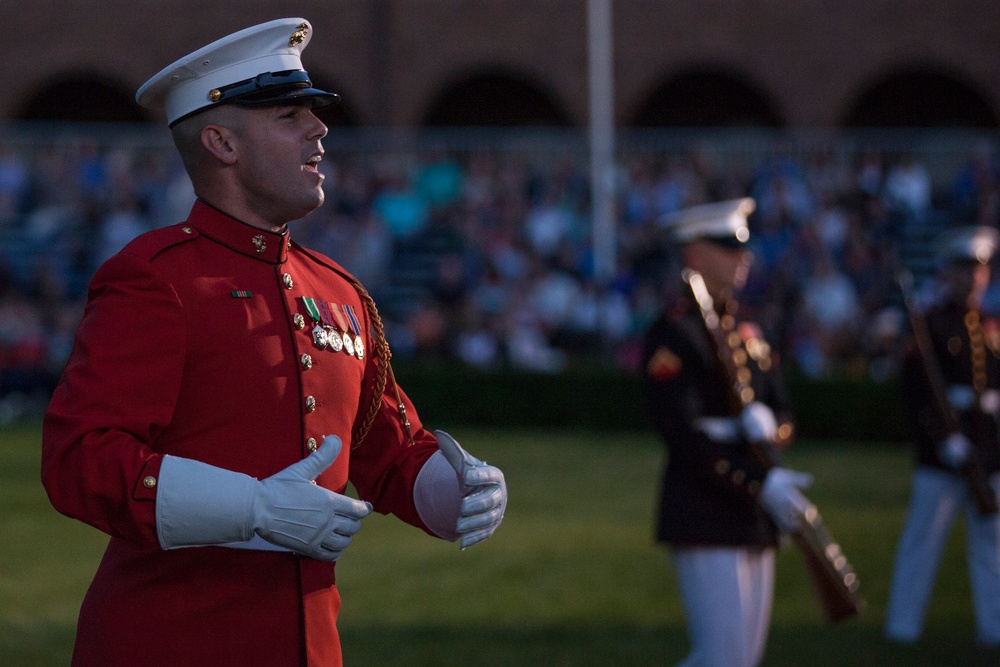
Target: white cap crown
[(725, 220), (255, 66), (968, 244)]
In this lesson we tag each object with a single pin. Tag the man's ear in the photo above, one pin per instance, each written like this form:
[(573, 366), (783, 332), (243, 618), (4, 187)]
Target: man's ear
[(220, 142)]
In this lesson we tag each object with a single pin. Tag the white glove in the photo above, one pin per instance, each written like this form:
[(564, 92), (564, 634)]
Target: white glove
[(955, 450), (759, 423), (989, 401), (459, 496), (961, 397), (199, 504), (781, 498)]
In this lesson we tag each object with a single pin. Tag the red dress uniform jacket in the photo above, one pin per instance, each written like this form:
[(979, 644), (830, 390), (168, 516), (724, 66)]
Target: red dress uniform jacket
[(197, 342)]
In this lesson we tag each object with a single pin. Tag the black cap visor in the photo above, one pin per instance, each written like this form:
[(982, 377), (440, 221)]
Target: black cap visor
[(269, 89), (725, 242)]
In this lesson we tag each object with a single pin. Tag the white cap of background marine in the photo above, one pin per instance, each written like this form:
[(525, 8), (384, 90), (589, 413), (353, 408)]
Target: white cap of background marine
[(722, 222), (974, 243), (257, 66)]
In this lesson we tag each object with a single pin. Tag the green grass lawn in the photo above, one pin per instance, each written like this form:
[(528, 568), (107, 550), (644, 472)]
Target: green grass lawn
[(571, 578)]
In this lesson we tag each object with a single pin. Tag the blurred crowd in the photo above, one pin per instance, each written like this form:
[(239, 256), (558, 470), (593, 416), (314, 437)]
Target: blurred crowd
[(484, 256)]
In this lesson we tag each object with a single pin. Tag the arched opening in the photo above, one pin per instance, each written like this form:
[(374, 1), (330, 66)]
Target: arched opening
[(95, 98), (494, 99), (707, 98), (920, 97), (83, 97)]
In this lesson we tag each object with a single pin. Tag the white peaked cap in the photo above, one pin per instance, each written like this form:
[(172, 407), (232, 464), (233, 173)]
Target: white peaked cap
[(968, 244), (725, 220), (257, 66)]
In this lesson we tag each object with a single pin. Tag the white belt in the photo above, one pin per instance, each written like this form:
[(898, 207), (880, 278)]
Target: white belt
[(258, 543), (719, 429)]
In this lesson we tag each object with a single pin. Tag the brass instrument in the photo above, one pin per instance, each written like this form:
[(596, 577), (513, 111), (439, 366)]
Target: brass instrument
[(834, 580)]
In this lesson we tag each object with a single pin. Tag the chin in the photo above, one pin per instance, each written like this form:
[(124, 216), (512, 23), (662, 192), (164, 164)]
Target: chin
[(315, 201), (303, 211)]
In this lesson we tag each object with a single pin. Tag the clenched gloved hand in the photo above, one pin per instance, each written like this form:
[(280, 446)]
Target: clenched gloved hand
[(782, 499), (199, 504), (458, 496), (955, 450), (758, 422)]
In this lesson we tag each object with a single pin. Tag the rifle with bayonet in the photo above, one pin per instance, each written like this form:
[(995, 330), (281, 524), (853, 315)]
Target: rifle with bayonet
[(834, 580), (971, 469)]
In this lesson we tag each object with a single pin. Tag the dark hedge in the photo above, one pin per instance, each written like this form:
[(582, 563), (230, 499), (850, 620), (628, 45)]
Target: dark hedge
[(447, 394)]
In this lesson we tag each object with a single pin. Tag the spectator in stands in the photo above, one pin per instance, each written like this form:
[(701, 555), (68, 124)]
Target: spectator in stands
[(14, 184), (908, 187), (831, 317), (975, 189), (492, 203), (123, 222)]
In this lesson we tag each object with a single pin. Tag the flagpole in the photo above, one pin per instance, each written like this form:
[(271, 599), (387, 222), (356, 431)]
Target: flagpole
[(602, 137)]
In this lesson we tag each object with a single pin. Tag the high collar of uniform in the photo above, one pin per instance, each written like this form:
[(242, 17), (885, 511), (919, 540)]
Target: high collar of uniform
[(245, 239)]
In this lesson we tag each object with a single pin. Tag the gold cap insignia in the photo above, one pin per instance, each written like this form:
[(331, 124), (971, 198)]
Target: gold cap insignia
[(299, 34), (215, 94)]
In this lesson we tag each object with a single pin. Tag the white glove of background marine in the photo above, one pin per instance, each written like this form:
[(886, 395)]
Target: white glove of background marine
[(781, 498), (955, 450), (780, 495), (459, 496), (199, 505), (758, 422)]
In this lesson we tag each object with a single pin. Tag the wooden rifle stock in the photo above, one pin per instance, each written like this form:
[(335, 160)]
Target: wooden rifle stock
[(972, 471), (834, 580)]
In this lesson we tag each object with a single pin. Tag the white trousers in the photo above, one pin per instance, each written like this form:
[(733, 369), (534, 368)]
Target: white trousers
[(936, 497), (727, 594)]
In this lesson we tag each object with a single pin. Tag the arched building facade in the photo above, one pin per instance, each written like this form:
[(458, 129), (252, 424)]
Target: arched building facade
[(413, 63)]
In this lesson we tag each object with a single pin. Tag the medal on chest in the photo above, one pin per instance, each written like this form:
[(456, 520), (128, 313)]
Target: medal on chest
[(336, 327), (352, 319), (332, 334)]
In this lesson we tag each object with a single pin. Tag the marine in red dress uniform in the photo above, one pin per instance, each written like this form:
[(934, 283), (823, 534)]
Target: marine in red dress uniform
[(218, 342)]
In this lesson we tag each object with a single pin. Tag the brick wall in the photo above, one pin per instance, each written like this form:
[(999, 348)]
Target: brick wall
[(391, 58)]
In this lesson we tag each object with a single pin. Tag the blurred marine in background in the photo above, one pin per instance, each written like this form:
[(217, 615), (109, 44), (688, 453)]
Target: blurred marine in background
[(225, 386), (721, 508), (951, 384)]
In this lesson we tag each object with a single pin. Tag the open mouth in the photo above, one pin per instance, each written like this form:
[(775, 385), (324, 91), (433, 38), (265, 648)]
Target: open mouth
[(312, 164)]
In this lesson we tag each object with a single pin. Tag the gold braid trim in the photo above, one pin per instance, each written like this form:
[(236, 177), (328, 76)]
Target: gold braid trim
[(383, 370), (977, 350)]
